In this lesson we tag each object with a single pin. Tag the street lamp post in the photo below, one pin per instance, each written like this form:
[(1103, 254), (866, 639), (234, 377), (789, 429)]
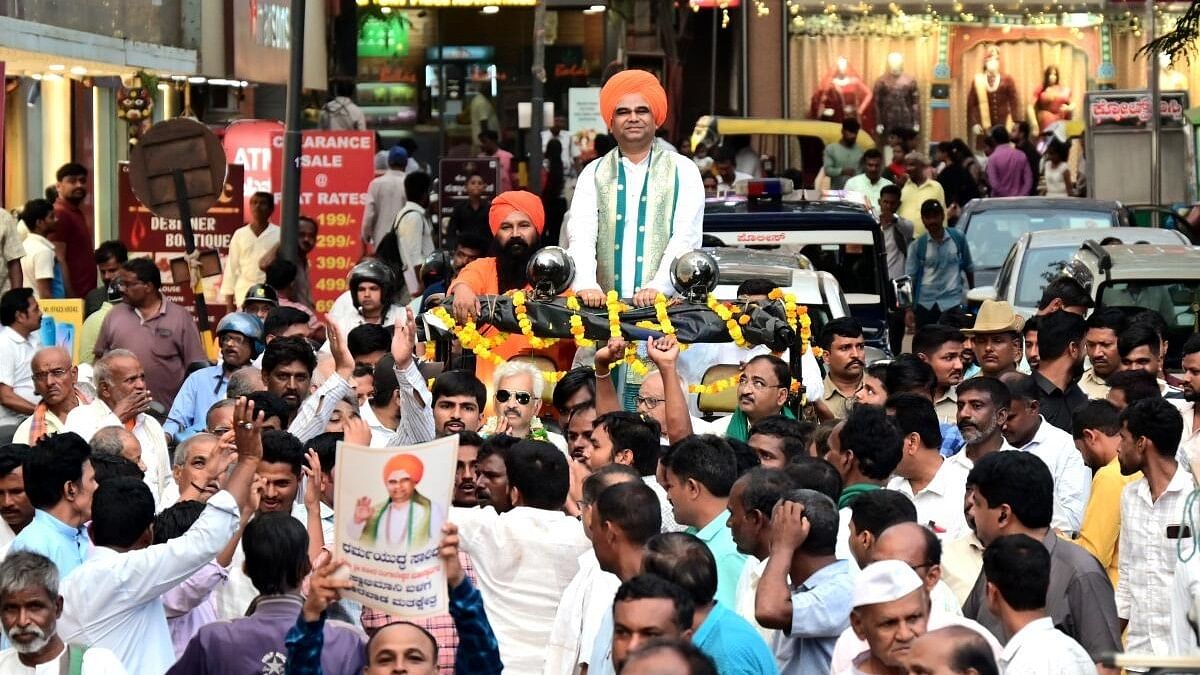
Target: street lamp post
[(289, 217)]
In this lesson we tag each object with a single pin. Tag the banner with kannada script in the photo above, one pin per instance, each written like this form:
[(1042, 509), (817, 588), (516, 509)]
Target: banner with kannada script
[(390, 505)]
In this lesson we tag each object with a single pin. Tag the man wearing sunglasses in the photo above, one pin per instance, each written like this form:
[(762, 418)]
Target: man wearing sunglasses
[(518, 398)]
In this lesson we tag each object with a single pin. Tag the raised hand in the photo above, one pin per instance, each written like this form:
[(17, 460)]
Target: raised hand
[(342, 361), (789, 527), (448, 552), (404, 339), (312, 476), (247, 429), (362, 510), (612, 352), (325, 587), (663, 351)]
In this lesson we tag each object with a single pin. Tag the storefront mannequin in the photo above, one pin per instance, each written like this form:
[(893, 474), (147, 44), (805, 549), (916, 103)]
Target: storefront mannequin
[(897, 101), (842, 95), (992, 99), (1170, 79), (1052, 100)]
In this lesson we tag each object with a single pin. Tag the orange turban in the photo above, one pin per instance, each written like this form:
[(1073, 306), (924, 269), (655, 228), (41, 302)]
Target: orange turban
[(517, 200), (409, 464), (633, 82)]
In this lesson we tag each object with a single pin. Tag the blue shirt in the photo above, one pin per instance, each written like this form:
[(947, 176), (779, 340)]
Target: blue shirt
[(719, 539), (952, 439), (733, 644), (938, 277), (189, 412), (64, 545), (820, 612)]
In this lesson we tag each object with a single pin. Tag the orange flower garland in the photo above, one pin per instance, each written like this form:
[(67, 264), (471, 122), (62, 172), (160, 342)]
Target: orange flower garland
[(726, 314), (576, 322)]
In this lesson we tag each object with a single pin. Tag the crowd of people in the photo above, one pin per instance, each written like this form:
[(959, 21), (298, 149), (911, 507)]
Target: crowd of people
[(983, 504)]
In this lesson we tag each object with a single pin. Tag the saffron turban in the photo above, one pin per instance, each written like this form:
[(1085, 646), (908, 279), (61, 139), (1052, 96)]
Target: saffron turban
[(629, 82), (517, 200), (409, 464)]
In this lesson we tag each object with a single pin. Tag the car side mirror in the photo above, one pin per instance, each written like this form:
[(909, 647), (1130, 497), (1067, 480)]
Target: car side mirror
[(976, 296), (902, 290)]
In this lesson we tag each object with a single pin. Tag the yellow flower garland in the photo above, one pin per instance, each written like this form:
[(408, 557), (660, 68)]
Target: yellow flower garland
[(614, 310), (715, 387), (576, 322), (526, 324), (725, 312), (660, 310)]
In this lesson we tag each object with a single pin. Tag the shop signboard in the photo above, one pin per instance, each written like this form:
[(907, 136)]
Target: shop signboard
[(336, 167), (453, 175), (262, 40), (248, 143), (1131, 110), (161, 239), (62, 325), (584, 119)]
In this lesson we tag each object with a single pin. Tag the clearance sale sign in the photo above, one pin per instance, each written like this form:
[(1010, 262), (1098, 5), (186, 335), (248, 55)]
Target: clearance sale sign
[(336, 167)]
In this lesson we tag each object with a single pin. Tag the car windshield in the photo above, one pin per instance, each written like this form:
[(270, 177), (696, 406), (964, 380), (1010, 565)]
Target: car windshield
[(1039, 267), (1170, 299), (853, 265), (991, 233)]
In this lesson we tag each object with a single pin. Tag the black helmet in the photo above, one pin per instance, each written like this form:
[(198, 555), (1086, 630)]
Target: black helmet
[(437, 267), (373, 270), (261, 293)]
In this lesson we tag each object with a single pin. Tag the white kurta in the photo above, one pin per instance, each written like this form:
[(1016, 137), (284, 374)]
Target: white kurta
[(246, 250), (686, 233)]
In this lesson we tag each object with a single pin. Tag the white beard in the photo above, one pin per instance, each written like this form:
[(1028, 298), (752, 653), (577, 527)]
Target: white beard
[(28, 648)]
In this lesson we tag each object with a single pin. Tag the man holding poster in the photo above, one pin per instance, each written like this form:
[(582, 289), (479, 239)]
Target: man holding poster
[(408, 519)]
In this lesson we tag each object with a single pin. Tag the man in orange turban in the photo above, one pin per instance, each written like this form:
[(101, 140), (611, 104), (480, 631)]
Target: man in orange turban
[(639, 207), (517, 220), (408, 520)]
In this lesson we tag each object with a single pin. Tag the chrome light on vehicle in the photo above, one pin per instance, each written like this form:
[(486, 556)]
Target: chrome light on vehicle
[(695, 275), (550, 272)]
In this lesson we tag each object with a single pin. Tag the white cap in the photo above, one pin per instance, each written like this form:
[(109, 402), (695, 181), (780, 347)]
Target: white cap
[(884, 581)]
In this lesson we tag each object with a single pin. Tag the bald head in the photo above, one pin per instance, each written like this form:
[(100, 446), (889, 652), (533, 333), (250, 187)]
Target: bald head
[(118, 441), (54, 375), (397, 643), (953, 650), (913, 544)]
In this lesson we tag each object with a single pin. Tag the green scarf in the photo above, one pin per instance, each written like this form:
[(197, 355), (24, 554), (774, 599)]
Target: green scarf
[(852, 492), (739, 426), (656, 214)]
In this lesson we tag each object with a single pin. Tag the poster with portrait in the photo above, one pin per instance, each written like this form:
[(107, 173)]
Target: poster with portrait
[(391, 504)]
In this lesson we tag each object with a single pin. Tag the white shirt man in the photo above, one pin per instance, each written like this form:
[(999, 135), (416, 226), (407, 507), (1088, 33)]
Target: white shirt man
[(414, 235), (1072, 478), (385, 198), (524, 559), (862, 185), (246, 250), (16, 355), (580, 614), (1147, 559), (114, 600), (38, 262), (940, 503), (1039, 648)]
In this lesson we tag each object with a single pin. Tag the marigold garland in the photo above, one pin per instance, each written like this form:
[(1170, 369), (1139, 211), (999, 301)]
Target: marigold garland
[(576, 322), (726, 314), (635, 364), (660, 310), (526, 324), (715, 387), (614, 310)]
